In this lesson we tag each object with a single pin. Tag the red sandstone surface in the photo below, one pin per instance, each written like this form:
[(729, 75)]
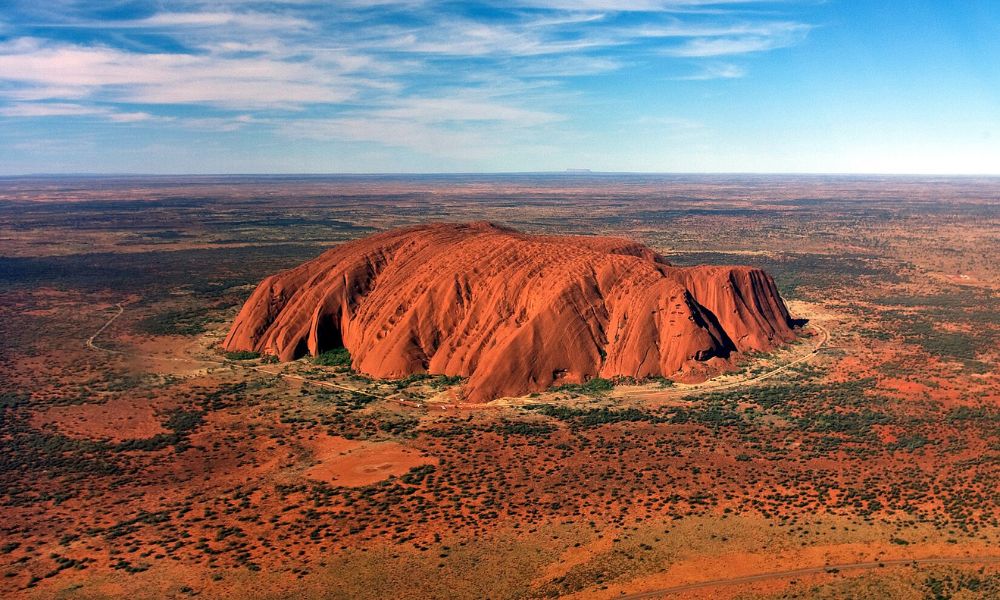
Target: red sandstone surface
[(514, 313)]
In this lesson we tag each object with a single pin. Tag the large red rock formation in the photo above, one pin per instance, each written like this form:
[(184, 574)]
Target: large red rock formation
[(513, 313)]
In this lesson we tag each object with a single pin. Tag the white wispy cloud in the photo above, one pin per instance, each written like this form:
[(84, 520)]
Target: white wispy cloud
[(437, 80), (760, 38), (465, 143), (441, 110), (465, 38), (53, 70), (677, 28), (568, 66), (438, 126), (133, 117), (54, 109), (716, 71), (62, 109), (221, 124), (628, 5), (251, 20)]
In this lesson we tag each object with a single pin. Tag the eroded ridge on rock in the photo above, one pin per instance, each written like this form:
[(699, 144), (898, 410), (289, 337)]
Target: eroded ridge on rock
[(514, 313)]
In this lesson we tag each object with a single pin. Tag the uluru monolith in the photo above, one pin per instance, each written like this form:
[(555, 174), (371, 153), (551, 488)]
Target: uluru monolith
[(514, 313)]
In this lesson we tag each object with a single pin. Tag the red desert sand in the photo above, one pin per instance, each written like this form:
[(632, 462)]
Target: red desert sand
[(354, 463), (514, 313)]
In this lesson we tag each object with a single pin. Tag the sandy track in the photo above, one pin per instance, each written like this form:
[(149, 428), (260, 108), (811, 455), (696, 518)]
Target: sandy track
[(701, 585), (90, 340), (731, 384)]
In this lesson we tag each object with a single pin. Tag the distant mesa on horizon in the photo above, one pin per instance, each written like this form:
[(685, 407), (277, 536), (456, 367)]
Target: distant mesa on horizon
[(579, 171), (511, 312)]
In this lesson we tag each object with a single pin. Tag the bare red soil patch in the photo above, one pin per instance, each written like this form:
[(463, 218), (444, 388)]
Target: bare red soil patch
[(117, 419), (352, 463)]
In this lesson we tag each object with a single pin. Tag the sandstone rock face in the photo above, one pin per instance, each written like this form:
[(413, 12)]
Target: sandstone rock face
[(513, 313)]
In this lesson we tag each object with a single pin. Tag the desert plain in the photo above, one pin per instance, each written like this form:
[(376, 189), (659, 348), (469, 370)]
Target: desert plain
[(141, 458)]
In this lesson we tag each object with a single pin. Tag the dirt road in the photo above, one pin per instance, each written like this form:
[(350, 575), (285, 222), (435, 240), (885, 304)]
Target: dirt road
[(90, 340), (731, 384), (901, 562)]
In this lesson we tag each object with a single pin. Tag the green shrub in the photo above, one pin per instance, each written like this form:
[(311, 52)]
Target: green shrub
[(593, 417), (522, 428), (445, 381), (597, 385), (183, 421), (186, 321), (338, 357), (242, 355), (9, 547)]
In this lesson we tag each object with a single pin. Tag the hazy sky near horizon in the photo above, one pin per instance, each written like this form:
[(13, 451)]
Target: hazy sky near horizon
[(237, 86)]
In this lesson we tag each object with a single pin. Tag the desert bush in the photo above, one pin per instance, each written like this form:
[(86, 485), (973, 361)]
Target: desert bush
[(338, 357), (597, 385)]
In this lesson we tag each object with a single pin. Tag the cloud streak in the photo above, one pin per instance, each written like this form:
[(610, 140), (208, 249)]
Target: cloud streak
[(72, 71), (418, 74), (64, 109), (730, 43)]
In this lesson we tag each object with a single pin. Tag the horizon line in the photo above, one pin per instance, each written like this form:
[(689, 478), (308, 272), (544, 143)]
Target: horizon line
[(566, 172)]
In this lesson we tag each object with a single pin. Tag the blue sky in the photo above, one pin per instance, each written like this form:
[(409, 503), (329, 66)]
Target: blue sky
[(236, 86)]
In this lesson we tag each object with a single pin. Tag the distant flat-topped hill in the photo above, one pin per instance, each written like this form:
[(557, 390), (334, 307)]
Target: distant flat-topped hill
[(514, 313)]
